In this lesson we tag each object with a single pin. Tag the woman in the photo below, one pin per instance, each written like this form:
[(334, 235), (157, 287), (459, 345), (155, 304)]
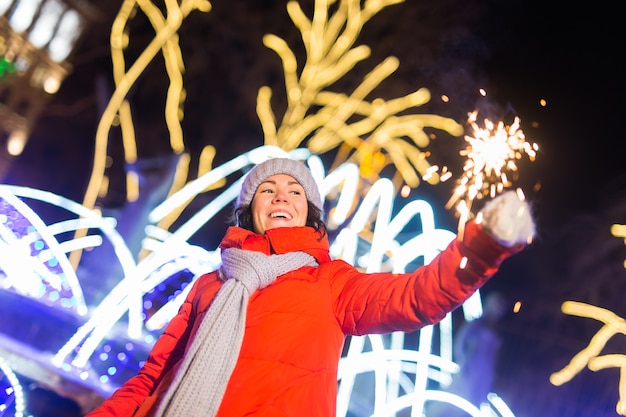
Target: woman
[(263, 335)]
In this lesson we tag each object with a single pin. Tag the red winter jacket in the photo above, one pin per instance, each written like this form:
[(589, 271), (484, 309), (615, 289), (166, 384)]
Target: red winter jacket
[(295, 327)]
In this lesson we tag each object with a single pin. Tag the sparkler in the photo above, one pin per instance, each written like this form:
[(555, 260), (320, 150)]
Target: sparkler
[(492, 153)]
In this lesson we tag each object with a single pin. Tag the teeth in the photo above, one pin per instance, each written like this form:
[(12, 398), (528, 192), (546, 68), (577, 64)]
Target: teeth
[(280, 214)]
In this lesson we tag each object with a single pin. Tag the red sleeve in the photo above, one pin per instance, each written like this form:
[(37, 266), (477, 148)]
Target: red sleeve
[(385, 302), (165, 353)]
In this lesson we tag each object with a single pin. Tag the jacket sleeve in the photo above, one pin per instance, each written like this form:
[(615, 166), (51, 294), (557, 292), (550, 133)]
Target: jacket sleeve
[(386, 302), (165, 353)]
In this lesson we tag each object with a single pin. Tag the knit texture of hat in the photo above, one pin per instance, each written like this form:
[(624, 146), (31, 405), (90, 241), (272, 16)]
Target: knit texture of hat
[(274, 166)]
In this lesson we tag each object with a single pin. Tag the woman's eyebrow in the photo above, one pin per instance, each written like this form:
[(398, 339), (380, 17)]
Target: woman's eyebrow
[(273, 182)]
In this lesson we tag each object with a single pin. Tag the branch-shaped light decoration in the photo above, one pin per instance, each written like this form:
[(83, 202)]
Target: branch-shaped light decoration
[(590, 355), (374, 133), (619, 230), (492, 152), (166, 41)]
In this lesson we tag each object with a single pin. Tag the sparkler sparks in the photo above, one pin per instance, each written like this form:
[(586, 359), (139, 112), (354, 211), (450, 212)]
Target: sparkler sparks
[(492, 153)]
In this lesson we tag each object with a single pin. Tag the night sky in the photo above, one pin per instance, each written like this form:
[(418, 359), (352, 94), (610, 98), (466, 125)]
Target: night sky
[(519, 51)]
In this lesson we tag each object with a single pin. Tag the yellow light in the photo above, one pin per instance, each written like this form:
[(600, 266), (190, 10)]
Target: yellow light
[(590, 355), (132, 186), (51, 83), (166, 41), (16, 142), (619, 230), (325, 119), (104, 187)]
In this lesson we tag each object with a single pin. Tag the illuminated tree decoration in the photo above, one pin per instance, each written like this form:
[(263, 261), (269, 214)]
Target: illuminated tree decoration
[(118, 108), (590, 355), (166, 42), (371, 133)]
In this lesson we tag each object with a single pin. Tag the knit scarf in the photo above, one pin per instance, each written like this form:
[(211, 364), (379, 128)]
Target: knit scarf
[(200, 382)]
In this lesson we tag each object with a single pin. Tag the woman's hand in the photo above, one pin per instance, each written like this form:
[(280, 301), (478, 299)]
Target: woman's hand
[(508, 219)]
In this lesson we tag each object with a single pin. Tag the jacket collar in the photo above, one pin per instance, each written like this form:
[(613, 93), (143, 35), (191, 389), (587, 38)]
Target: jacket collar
[(279, 241)]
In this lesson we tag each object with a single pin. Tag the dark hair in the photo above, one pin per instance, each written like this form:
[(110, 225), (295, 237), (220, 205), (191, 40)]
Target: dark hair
[(242, 217)]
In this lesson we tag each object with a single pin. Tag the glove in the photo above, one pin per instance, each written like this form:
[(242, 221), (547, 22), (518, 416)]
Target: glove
[(508, 220)]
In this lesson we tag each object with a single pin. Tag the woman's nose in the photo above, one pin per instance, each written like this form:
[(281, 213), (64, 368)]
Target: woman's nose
[(280, 196)]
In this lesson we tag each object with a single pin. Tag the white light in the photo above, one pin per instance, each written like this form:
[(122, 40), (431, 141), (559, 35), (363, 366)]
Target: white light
[(18, 392), (28, 268), (42, 31), (473, 307), (66, 35), (5, 5), (500, 405), (23, 15), (348, 174), (88, 219)]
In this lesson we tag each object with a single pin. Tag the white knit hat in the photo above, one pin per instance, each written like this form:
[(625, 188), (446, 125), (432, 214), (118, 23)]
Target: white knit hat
[(274, 166)]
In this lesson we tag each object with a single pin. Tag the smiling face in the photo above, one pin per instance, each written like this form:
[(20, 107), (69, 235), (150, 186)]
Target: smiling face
[(279, 201)]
